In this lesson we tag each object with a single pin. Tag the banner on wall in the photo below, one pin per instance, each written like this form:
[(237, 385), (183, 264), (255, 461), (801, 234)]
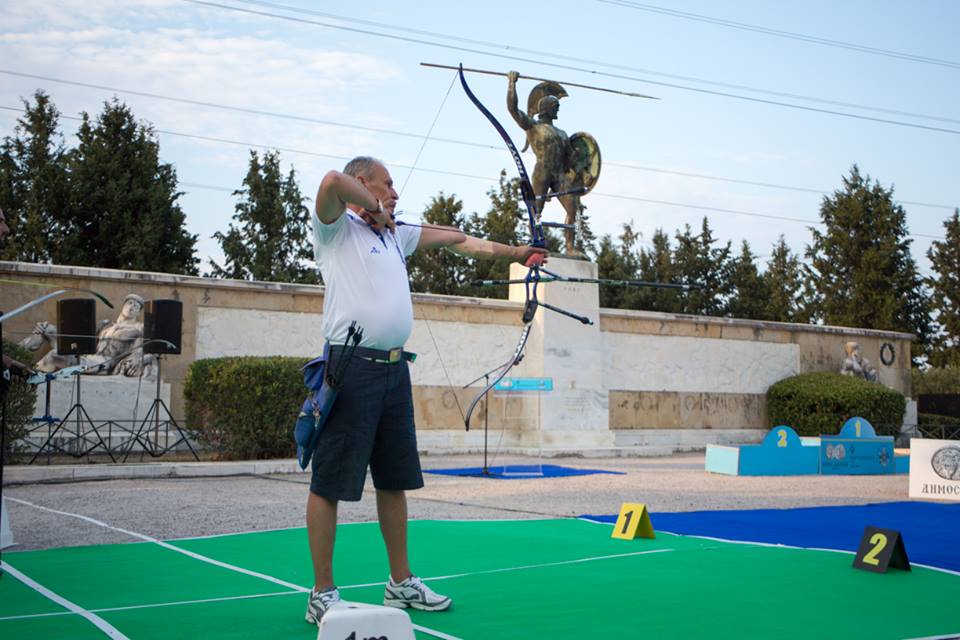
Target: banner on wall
[(935, 469)]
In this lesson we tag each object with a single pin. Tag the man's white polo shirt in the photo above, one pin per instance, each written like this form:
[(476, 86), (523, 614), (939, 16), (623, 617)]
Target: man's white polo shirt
[(365, 275)]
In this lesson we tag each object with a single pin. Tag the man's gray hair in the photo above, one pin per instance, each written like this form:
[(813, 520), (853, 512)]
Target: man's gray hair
[(361, 166)]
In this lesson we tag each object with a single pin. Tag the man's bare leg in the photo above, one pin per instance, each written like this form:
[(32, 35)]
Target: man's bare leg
[(392, 512), (321, 533)]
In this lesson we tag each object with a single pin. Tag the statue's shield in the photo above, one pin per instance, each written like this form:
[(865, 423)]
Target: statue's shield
[(583, 166)]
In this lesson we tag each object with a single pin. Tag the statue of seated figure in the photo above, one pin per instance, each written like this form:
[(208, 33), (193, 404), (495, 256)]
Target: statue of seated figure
[(856, 365)]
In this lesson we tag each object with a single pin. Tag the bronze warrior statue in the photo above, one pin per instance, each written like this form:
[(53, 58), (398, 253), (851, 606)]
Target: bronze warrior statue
[(567, 166)]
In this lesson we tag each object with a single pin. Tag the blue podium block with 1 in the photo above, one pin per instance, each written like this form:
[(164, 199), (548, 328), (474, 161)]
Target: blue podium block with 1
[(857, 450)]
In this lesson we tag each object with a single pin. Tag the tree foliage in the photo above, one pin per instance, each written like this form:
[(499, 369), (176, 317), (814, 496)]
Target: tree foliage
[(749, 291), (697, 261), (860, 268), (784, 285), (34, 190), (440, 271), (269, 238), (123, 211), (944, 256), (108, 202)]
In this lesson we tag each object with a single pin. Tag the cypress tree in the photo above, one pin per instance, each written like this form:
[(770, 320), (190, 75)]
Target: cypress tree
[(861, 270), (945, 299), (269, 238)]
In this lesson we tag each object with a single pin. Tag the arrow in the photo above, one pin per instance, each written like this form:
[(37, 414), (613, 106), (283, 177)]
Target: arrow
[(569, 84)]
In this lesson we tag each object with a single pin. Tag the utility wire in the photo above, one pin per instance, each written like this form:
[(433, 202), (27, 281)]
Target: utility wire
[(581, 60), (639, 6), (580, 69), (411, 167)]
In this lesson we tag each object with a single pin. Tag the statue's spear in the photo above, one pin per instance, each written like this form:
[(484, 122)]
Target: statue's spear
[(568, 84)]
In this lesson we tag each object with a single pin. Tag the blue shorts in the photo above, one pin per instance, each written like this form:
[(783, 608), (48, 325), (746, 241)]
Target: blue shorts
[(370, 424)]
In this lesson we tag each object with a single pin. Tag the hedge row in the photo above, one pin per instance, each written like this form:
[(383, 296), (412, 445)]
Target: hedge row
[(245, 407), (820, 402)]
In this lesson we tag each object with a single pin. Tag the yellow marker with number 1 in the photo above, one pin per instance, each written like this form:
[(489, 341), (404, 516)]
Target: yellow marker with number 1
[(633, 522)]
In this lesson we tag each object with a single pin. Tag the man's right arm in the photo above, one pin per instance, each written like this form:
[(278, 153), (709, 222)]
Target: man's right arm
[(336, 191)]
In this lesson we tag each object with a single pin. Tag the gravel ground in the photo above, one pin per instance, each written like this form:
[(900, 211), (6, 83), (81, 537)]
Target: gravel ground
[(185, 507)]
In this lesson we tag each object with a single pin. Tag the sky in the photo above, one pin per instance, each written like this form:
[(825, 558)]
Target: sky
[(763, 106)]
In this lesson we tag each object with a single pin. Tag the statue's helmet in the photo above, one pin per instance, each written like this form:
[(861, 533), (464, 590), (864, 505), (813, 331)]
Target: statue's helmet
[(548, 105)]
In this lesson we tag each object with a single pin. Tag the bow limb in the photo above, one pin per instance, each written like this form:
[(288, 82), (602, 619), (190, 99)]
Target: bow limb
[(54, 294), (504, 370), (537, 238)]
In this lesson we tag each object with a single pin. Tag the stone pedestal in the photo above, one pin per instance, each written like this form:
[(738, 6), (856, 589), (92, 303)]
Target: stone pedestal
[(576, 412)]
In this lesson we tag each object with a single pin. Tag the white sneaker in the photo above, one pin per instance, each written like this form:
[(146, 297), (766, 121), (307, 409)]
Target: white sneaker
[(320, 603), (413, 593)]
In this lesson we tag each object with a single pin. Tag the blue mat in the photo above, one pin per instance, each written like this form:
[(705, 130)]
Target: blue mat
[(931, 531), (520, 472)]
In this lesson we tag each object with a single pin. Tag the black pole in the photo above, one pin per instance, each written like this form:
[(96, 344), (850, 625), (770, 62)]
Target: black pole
[(486, 414)]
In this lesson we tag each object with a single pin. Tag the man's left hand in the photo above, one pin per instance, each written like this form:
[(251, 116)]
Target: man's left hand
[(524, 254)]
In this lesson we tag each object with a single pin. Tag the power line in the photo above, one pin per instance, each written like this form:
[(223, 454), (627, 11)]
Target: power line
[(581, 60), (752, 214), (582, 69), (782, 34), (216, 105), (755, 183), (414, 135)]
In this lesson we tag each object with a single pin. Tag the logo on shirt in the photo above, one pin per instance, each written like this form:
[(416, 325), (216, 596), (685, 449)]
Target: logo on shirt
[(374, 250)]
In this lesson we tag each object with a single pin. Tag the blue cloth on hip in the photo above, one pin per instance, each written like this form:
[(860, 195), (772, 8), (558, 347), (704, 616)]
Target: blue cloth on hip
[(316, 407)]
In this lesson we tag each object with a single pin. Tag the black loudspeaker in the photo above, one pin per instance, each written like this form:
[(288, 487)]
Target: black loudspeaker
[(76, 326), (162, 320)]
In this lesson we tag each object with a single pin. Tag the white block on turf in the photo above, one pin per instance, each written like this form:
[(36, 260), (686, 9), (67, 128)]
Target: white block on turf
[(357, 621)]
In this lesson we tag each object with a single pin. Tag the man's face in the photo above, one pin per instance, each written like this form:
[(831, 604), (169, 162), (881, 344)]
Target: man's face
[(380, 185), (4, 229)]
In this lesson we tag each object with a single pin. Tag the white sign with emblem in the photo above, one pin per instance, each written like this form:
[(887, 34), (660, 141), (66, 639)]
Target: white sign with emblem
[(935, 469)]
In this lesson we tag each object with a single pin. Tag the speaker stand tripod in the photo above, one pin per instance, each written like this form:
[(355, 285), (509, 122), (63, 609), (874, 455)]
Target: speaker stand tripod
[(152, 418), (81, 421)]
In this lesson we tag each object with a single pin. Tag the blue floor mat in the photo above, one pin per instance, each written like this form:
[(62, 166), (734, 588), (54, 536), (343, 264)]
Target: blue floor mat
[(931, 531), (520, 472)]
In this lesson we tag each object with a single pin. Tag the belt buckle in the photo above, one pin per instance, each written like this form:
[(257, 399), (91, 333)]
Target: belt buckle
[(395, 355)]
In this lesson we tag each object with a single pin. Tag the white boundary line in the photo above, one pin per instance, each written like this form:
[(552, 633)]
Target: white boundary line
[(202, 558), (29, 616), (785, 546), (165, 545), (99, 622)]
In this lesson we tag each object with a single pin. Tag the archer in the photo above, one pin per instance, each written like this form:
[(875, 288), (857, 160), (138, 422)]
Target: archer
[(361, 253)]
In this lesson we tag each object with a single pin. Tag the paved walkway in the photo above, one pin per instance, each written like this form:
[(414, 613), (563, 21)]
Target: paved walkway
[(183, 499)]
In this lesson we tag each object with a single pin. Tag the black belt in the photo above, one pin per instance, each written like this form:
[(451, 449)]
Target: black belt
[(392, 356)]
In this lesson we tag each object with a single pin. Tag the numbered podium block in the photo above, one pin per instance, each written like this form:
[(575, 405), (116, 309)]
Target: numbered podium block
[(782, 453), (356, 621), (857, 450)]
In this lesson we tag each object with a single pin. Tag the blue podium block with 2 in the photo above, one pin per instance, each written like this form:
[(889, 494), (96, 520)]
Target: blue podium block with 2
[(782, 453)]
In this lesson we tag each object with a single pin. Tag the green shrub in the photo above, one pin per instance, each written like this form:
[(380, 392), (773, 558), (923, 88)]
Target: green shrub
[(245, 408), (21, 399), (936, 380), (936, 420), (820, 402)]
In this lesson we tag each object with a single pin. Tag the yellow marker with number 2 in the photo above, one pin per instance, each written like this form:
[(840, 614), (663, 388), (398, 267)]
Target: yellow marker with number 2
[(633, 522)]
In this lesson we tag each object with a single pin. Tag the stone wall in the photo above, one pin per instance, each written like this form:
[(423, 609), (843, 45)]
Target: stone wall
[(633, 379)]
